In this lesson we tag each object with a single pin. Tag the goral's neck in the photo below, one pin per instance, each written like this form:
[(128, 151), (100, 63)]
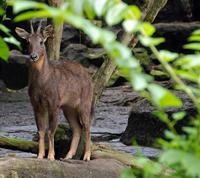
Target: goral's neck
[(40, 70)]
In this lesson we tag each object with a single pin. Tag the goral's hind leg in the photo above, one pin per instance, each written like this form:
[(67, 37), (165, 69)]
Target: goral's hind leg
[(85, 121), (72, 118)]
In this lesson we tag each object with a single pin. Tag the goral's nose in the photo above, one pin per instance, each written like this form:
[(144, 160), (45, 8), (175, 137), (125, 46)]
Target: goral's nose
[(34, 56)]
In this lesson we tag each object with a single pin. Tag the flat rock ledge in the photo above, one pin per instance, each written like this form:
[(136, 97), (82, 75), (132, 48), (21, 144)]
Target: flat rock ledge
[(12, 167)]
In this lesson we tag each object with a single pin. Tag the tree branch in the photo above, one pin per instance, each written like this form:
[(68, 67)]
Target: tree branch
[(150, 9)]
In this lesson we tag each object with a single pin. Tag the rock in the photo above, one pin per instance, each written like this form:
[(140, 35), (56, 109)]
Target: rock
[(14, 73), (75, 52), (176, 10), (145, 127), (83, 54), (2, 86), (27, 167), (62, 141), (70, 35), (176, 34)]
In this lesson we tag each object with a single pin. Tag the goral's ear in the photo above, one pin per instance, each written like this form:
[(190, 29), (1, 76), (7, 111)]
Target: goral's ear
[(47, 32), (22, 33)]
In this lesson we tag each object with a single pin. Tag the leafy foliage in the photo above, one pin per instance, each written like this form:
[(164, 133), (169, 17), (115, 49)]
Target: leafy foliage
[(4, 49)]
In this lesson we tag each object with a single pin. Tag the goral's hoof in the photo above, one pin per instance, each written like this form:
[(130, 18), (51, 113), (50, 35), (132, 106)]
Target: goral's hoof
[(87, 156), (51, 157), (40, 157), (68, 157)]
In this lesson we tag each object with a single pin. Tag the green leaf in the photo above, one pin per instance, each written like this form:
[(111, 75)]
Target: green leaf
[(148, 41), (76, 6), (2, 12), (192, 46), (147, 28), (126, 63), (171, 156), (94, 33), (189, 162), (98, 35), (163, 97), (19, 6), (115, 13), (76, 21), (33, 14), (138, 81), (196, 91), (4, 50), (196, 32), (127, 173), (189, 75), (158, 73), (132, 13), (190, 131), (100, 7), (167, 55), (161, 115), (88, 9), (130, 25), (170, 135), (106, 36), (179, 115), (118, 50), (189, 61), (194, 38), (12, 40), (4, 29)]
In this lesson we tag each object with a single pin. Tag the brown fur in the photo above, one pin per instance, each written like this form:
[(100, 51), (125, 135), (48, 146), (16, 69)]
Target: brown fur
[(55, 85)]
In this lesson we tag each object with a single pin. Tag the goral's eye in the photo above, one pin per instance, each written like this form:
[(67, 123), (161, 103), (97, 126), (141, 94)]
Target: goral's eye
[(41, 42)]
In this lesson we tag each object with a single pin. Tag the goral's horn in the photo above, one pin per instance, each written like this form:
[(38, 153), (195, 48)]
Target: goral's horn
[(31, 24), (39, 27)]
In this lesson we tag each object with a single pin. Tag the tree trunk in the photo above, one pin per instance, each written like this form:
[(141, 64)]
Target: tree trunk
[(150, 9), (102, 76), (53, 43)]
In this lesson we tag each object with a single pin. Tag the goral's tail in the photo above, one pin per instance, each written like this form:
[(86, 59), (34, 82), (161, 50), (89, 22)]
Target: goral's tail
[(92, 109)]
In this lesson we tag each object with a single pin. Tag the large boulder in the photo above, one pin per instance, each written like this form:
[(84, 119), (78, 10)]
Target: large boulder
[(145, 127), (83, 54), (14, 73), (70, 35), (27, 167), (177, 10), (174, 10), (176, 34)]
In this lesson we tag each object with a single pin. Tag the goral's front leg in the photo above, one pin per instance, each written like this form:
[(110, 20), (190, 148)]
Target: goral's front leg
[(53, 122), (41, 122)]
